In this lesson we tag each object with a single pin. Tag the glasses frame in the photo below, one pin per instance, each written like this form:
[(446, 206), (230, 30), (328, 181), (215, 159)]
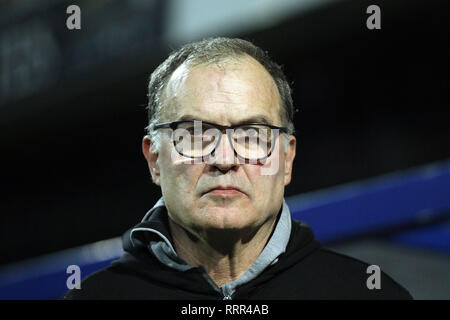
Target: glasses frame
[(173, 125)]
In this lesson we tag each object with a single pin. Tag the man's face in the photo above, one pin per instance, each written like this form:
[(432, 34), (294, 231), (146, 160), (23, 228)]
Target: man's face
[(232, 94)]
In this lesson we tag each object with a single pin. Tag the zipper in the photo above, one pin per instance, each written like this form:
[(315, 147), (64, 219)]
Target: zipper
[(215, 287)]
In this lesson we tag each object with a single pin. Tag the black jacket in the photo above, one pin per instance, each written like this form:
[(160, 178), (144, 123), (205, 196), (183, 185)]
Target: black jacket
[(305, 271)]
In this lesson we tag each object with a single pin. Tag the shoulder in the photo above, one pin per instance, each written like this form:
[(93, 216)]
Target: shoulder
[(329, 274), (103, 284), (353, 278), (120, 280)]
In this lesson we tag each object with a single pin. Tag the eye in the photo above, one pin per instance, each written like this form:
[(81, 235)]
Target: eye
[(251, 132), (190, 130), (248, 131)]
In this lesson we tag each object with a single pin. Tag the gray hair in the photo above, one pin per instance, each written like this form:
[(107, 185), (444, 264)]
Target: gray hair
[(210, 51)]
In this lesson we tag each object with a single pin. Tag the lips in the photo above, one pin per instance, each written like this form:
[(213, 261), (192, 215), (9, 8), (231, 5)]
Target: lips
[(224, 190)]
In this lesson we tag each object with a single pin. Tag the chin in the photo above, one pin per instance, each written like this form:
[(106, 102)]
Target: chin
[(225, 219)]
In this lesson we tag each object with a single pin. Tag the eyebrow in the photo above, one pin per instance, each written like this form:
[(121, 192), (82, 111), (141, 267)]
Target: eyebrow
[(252, 119)]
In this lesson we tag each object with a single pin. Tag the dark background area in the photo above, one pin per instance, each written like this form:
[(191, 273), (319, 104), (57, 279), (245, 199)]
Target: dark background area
[(369, 102)]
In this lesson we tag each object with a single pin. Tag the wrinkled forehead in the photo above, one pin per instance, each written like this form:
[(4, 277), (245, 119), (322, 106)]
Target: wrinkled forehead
[(224, 92)]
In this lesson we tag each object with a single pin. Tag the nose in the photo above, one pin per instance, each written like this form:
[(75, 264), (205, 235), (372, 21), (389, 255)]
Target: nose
[(223, 156)]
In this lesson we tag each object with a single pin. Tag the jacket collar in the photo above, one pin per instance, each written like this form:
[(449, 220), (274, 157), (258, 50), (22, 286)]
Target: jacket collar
[(155, 221), (154, 233), (140, 258)]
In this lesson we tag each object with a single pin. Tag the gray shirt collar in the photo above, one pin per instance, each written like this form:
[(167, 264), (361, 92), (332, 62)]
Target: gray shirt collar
[(165, 253)]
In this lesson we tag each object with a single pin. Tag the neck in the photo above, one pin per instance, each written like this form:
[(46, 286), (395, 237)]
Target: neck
[(224, 254)]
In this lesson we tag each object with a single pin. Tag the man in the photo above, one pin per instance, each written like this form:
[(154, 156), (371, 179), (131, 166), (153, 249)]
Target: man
[(220, 145)]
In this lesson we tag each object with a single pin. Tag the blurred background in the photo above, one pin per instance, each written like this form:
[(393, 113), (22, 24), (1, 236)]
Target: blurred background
[(372, 171)]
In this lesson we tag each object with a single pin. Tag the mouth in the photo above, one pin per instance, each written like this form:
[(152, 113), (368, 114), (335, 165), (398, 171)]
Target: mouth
[(224, 191)]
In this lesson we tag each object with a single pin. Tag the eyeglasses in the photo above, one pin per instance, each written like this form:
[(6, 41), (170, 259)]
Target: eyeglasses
[(199, 139)]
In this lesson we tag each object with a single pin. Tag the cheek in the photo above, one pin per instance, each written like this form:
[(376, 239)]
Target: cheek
[(268, 179), (273, 168), (178, 175), (264, 180), (178, 186), (180, 178)]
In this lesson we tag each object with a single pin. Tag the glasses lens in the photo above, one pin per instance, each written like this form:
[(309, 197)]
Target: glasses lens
[(195, 139), (253, 141)]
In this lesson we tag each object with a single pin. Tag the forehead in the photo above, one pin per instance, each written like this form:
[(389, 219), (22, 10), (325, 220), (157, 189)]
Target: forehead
[(228, 93)]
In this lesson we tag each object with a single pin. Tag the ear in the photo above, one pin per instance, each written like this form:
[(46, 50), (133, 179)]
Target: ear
[(289, 159), (152, 159)]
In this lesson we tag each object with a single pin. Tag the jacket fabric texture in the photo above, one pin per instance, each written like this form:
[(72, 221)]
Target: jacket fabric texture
[(305, 270)]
